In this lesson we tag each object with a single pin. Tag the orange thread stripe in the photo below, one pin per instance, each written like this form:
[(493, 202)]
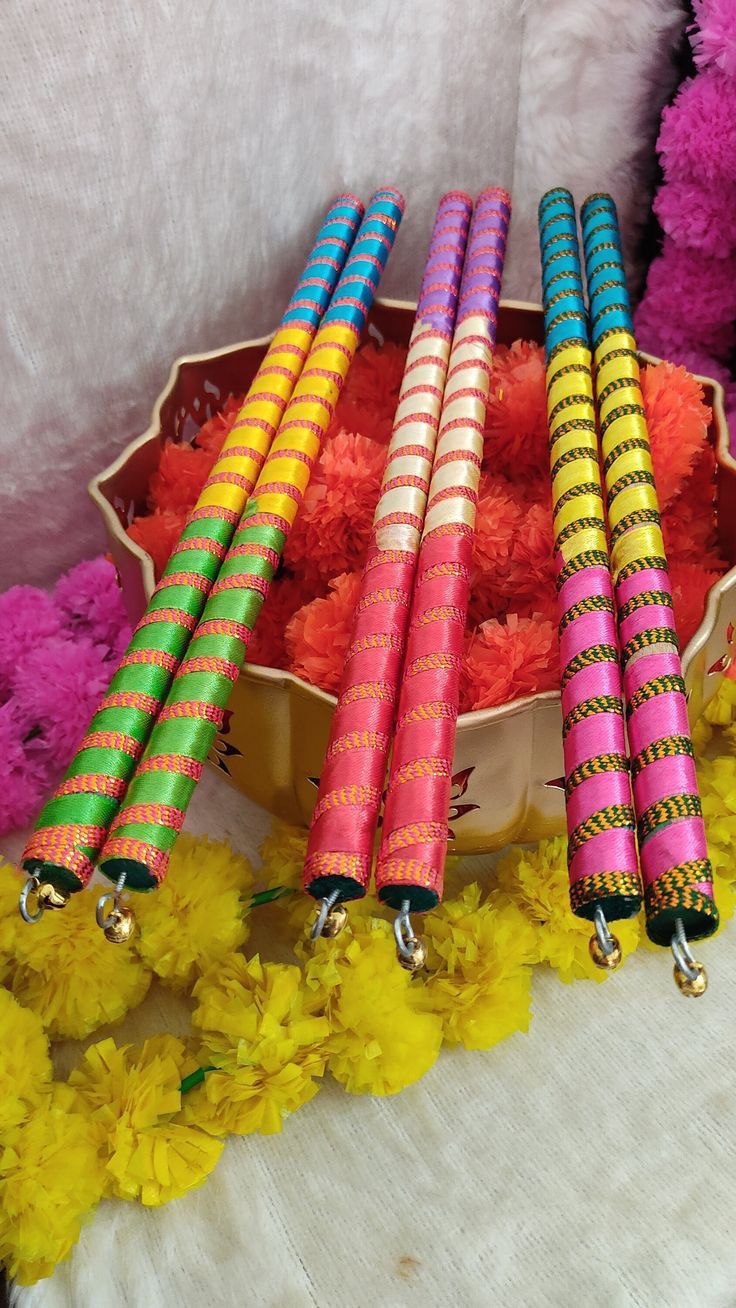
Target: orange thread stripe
[(93, 783), (209, 663), (410, 452), (156, 815), (382, 690), (376, 640), (134, 699), (205, 543), (77, 833), (186, 767), (454, 493), (399, 870), (240, 452), (432, 712), (406, 479), (357, 740), (192, 708), (448, 569), (457, 456), (195, 580), (60, 853), (432, 766), (224, 627), (352, 796), (213, 511), (138, 851), (157, 658), (175, 616), (385, 595), (112, 740), (415, 833), (241, 581), (257, 551), (441, 613), (432, 663), (336, 864), (380, 557)]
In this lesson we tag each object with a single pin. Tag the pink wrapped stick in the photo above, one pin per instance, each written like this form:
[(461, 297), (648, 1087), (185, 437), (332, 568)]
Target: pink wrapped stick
[(340, 848)]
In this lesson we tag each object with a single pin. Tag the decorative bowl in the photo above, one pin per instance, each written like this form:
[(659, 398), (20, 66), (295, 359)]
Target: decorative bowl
[(508, 760)]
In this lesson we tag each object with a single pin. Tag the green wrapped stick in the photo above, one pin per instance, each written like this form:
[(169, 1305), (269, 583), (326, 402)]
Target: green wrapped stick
[(145, 830)]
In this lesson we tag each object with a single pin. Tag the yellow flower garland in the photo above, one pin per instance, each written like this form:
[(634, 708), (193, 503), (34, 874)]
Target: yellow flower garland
[(147, 1122)]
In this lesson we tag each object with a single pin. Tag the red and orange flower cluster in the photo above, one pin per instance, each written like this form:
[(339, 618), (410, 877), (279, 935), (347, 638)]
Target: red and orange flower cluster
[(511, 640)]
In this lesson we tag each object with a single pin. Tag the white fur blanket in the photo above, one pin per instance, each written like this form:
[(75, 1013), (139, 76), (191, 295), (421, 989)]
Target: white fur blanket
[(166, 165)]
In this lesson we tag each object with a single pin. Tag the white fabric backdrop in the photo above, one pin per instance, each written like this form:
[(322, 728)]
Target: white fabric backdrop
[(164, 167), (591, 1162)]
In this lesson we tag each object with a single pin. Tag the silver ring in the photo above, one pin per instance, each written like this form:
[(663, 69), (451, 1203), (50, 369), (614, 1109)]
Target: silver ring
[(31, 886), (324, 910), (405, 938), (101, 918), (682, 953), (602, 930)]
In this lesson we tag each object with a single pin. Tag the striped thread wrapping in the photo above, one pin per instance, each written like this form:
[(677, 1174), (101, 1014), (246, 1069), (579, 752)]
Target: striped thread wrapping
[(54, 852), (413, 849), (188, 724), (340, 848), (672, 847), (602, 858)]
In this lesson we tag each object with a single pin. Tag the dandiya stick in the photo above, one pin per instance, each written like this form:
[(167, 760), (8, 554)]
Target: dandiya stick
[(340, 848), (73, 825), (602, 858), (410, 868), (678, 881), (145, 830)]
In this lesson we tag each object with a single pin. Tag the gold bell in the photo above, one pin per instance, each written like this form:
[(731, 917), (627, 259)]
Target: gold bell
[(120, 925), (691, 986), (335, 921), (48, 896), (416, 959), (607, 961)]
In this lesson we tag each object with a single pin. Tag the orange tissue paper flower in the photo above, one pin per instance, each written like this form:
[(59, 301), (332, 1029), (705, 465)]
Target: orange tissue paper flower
[(333, 525), (515, 437), (318, 635), (507, 660), (212, 433), (371, 392), (158, 533), (268, 645), (678, 420), (498, 523), (180, 476), (690, 584)]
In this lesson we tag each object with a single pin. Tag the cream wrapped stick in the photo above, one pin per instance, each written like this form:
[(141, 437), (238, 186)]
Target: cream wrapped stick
[(340, 849)]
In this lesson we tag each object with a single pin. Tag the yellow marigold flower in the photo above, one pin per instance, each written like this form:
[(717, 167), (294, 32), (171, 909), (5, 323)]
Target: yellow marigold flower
[(11, 884), (720, 710), (72, 976), (50, 1178), (25, 1063), (702, 734), (479, 969), (282, 856), (132, 1094), (381, 1037), (197, 915), (717, 782), (265, 1037), (536, 881)]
